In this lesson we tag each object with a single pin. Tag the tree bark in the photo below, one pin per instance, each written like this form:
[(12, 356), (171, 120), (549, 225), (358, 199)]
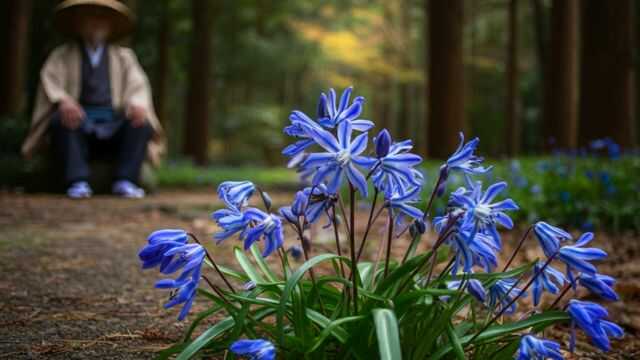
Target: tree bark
[(562, 86), (196, 134), (405, 119), (513, 125), (13, 62), (606, 73), (162, 67), (543, 66), (446, 103)]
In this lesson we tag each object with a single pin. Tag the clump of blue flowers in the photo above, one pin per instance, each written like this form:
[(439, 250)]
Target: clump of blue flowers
[(456, 298)]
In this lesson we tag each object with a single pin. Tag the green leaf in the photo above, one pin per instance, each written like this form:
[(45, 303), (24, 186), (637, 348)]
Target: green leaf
[(497, 331), (248, 267), (329, 329), (264, 267), (292, 283), (202, 340), (455, 342), (399, 273), (388, 335)]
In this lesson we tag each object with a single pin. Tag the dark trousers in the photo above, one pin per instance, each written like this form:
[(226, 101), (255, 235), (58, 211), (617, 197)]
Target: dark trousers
[(74, 148)]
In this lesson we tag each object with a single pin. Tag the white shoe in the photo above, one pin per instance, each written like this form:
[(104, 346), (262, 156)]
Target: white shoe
[(79, 190), (127, 189)]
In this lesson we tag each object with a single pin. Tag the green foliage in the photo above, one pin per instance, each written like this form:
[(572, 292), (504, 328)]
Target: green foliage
[(398, 315)]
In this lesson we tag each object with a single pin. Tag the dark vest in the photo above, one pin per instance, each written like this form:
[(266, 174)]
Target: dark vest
[(96, 85)]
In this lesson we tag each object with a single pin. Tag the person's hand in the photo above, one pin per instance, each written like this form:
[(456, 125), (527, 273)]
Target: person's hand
[(137, 115), (71, 114)]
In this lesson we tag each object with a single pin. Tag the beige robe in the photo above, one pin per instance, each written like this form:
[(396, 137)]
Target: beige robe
[(60, 79)]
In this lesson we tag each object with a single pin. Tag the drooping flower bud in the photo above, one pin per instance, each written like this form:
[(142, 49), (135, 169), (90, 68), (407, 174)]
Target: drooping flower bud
[(383, 143)]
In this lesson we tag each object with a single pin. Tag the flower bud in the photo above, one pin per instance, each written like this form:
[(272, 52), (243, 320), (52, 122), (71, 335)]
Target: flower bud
[(383, 143)]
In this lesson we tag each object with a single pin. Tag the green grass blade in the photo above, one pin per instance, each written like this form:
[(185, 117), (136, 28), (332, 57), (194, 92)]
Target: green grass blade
[(248, 267), (387, 333), (455, 342), (202, 340), (262, 264)]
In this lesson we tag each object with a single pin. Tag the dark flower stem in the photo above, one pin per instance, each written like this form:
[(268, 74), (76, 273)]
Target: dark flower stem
[(515, 252), (515, 298), (336, 234), (389, 239), (217, 291), (369, 223), (215, 266), (352, 243), (562, 294), (312, 273), (427, 210)]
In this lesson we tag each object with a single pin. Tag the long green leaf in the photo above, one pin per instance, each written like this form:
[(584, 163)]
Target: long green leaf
[(292, 283), (388, 335), (330, 327), (202, 340), (455, 342), (248, 267), (262, 264)]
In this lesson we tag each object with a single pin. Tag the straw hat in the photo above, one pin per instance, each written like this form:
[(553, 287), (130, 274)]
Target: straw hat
[(69, 11)]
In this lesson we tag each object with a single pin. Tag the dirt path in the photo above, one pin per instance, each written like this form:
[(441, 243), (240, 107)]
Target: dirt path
[(71, 286)]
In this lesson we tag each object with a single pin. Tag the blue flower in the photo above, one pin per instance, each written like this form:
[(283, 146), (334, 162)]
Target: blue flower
[(159, 242), (577, 258), (395, 170), (231, 221), (481, 213), (474, 288), (533, 348), (601, 285), (550, 237), (189, 259), (236, 194), (331, 113), (258, 349), (295, 251), (590, 317), (341, 157), (267, 226), (401, 202), (502, 293), (292, 213), (470, 248), (185, 293), (549, 279), (383, 143), (463, 159), (299, 123)]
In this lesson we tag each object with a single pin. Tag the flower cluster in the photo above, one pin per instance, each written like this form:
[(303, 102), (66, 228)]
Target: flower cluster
[(169, 250), (330, 152)]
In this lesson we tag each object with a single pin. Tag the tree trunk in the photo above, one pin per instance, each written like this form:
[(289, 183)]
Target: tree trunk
[(446, 103), (543, 66), (196, 134), (405, 119), (563, 76), (606, 73), (16, 14), (513, 125), (162, 67)]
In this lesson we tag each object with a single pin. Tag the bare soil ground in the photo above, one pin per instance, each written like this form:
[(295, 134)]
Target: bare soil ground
[(71, 286)]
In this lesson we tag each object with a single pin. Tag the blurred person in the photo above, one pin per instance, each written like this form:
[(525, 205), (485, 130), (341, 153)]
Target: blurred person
[(94, 100)]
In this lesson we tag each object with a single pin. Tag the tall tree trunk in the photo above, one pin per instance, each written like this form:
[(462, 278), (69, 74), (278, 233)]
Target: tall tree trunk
[(16, 14), (513, 125), (446, 103), (606, 74), (543, 66), (405, 119), (196, 134), (562, 86), (386, 87), (162, 67)]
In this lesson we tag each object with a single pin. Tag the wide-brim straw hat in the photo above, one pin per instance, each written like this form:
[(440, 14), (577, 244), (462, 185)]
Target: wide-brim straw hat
[(69, 12)]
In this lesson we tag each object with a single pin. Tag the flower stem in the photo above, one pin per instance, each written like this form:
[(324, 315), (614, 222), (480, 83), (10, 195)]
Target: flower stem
[(215, 266), (504, 308), (515, 252), (389, 239), (312, 273), (369, 223), (336, 234), (352, 243), (562, 294)]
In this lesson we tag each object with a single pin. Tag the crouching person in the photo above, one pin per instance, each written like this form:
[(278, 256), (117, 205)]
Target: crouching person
[(94, 100)]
